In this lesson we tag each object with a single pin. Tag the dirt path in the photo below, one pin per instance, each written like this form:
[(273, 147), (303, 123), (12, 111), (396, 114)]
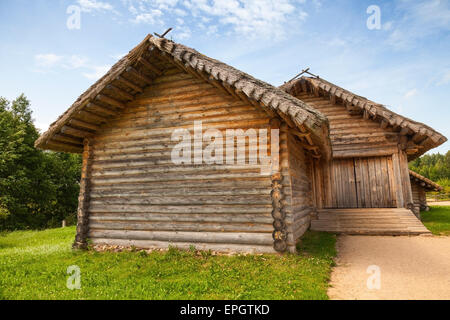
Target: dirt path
[(409, 268), (439, 203)]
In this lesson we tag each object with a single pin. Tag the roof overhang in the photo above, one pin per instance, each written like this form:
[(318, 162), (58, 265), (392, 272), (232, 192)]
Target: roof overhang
[(424, 182), (136, 71), (420, 137)]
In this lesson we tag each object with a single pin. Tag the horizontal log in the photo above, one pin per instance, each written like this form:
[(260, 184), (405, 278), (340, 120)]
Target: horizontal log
[(130, 84), (239, 185), (111, 101), (186, 245), (181, 226), (180, 200), (149, 66), (184, 217), (181, 236), (139, 75), (120, 92), (180, 209)]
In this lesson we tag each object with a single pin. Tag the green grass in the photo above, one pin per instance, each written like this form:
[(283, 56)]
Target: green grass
[(437, 220), (33, 265)]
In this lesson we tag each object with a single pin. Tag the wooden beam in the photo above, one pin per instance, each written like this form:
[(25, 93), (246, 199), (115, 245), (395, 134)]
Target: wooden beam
[(75, 132), (63, 138), (94, 116), (102, 109), (404, 131), (130, 84), (121, 92), (230, 90), (83, 198), (149, 66), (65, 144), (110, 101), (383, 124), (84, 124), (138, 74), (333, 98), (65, 147), (366, 115)]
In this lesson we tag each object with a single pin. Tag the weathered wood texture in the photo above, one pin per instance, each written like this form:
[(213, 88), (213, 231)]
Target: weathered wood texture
[(419, 194), (296, 170), (373, 221), (138, 196), (419, 138), (84, 197), (369, 166), (352, 135), (356, 183), (147, 61)]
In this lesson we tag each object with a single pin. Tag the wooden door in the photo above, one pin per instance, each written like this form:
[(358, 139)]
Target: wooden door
[(362, 183)]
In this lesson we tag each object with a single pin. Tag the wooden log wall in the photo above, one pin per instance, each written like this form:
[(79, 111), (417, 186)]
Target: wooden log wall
[(406, 182), (84, 197), (351, 134), (419, 197), (297, 187), (139, 197), (369, 167)]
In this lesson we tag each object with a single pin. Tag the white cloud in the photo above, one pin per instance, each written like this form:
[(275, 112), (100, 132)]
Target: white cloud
[(246, 18), (53, 62), (182, 33), (180, 12), (252, 18), (75, 62), (48, 60), (421, 19), (96, 72), (149, 17), (94, 5), (411, 93)]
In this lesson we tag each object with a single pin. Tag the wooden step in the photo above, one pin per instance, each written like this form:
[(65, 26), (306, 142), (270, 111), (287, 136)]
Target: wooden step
[(371, 221)]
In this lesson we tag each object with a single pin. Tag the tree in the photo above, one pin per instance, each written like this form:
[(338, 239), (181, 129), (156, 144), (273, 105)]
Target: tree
[(434, 166), (37, 189)]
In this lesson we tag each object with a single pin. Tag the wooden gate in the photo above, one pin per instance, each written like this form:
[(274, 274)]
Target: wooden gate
[(361, 183)]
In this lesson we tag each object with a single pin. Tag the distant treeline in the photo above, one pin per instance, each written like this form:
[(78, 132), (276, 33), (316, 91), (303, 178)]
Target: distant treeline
[(38, 189), (435, 167)]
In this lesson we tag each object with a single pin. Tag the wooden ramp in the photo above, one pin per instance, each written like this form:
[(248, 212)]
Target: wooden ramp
[(372, 221)]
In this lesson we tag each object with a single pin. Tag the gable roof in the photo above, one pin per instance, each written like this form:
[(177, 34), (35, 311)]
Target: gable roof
[(420, 136), (424, 182), (130, 75)]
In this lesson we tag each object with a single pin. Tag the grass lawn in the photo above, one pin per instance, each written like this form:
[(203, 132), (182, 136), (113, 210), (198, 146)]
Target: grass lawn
[(33, 265), (437, 220)]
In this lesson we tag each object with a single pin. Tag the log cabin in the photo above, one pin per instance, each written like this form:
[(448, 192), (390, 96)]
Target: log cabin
[(420, 186), (161, 94), (366, 187)]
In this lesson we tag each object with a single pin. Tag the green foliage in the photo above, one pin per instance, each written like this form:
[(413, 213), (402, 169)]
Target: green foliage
[(33, 265), (435, 167), (37, 189)]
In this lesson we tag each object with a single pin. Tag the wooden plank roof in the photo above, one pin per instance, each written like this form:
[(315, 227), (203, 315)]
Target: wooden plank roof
[(130, 75), (424, 182), (421, 137)]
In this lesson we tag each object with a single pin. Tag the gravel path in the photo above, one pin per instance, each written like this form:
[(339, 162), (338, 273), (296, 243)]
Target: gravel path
[(409, 268)]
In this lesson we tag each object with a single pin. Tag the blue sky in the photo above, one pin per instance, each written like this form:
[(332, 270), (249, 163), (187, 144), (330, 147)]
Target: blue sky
[(405, 64)]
